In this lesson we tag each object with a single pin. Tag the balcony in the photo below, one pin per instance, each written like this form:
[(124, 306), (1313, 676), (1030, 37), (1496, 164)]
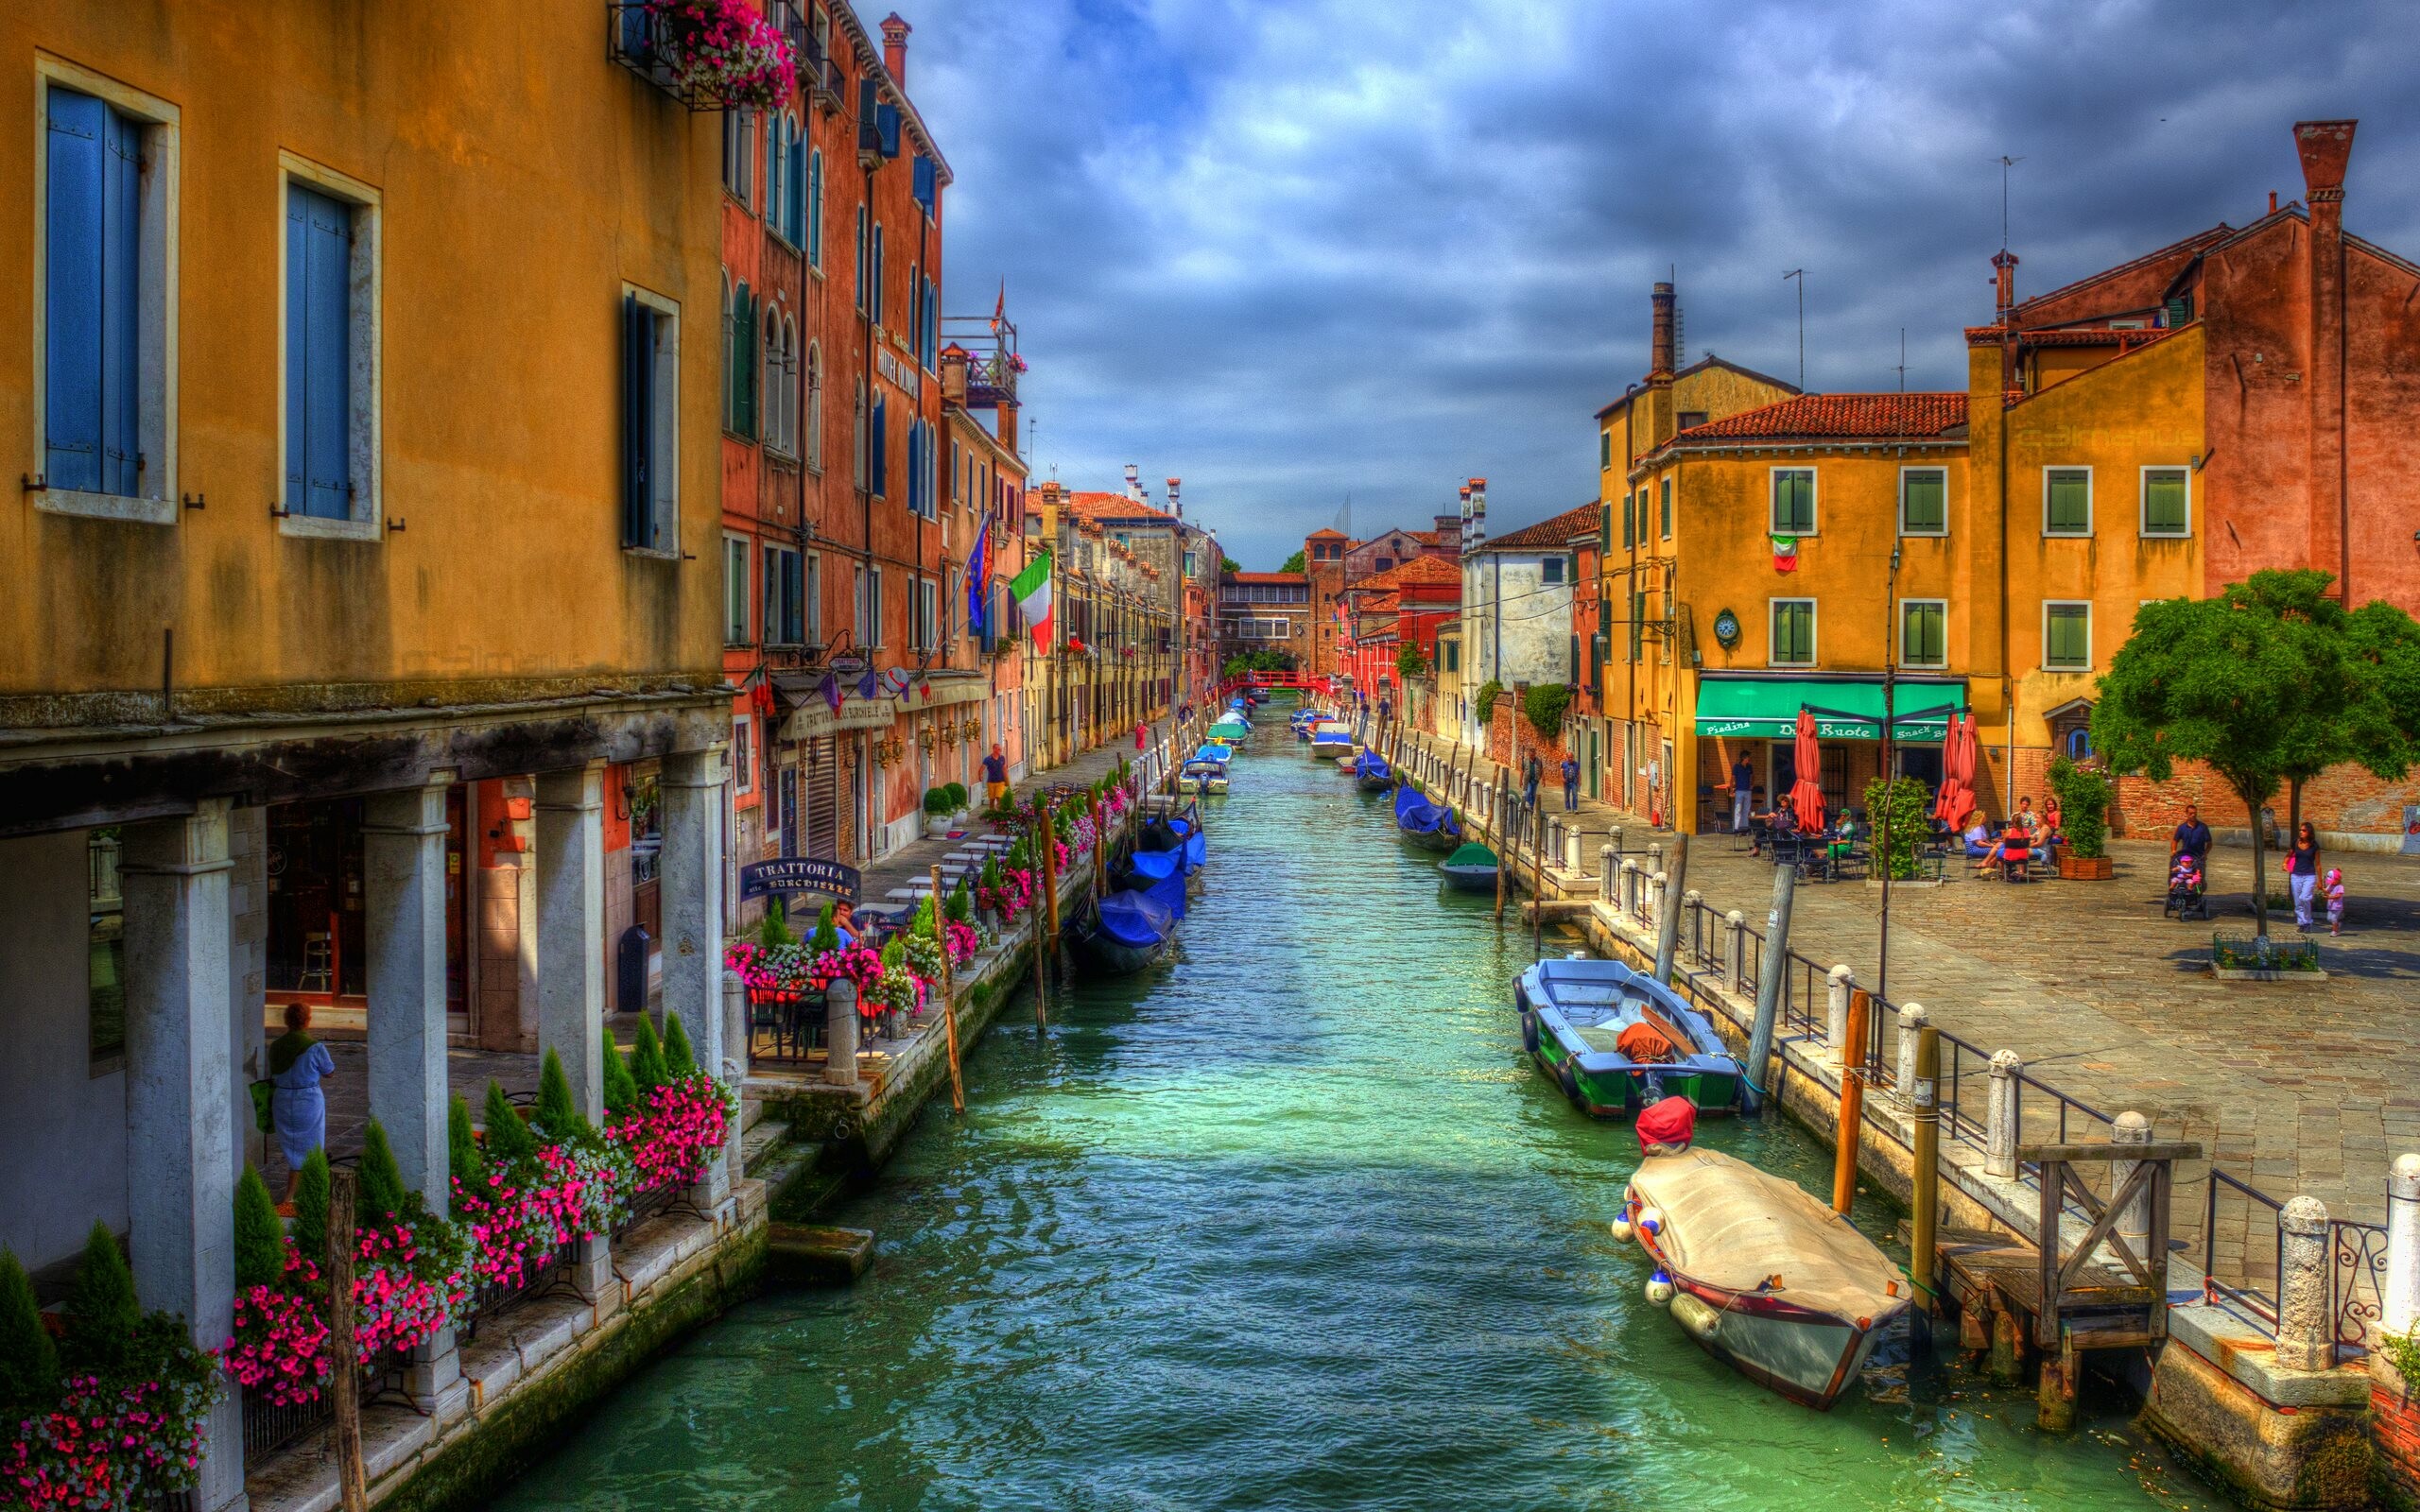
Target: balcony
[(992, 364), (653, 40)]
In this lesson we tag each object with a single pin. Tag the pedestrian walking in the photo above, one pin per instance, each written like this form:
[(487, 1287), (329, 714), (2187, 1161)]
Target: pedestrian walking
[(1743, 784), (298, 1110), (1570, 784), (1142, 730), (2333, 891), (2302, 873), (1530, 771), (2192, 837)]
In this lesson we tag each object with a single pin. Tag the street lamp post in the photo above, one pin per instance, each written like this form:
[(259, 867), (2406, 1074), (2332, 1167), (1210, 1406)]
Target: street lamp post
[(1889, 777)]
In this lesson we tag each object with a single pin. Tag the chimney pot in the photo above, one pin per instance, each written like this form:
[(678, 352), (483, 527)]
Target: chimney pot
[(894, 49), (2004, 280), (1659, 364), (2273, 202), (2324, 148)]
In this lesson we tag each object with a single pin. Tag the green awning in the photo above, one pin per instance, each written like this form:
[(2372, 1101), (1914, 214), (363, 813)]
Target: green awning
[(1847, 709)]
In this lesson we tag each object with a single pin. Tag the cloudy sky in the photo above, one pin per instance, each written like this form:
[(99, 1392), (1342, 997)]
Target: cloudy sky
[(1297, 250)]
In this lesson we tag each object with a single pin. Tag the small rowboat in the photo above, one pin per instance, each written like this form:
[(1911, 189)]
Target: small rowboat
[(1615, 1040), (1472, 868), (1419, 822), (1760, 1274), (1331, 738)]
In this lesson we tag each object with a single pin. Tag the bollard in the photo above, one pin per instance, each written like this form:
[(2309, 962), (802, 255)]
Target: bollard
[(841, 1034), (2134, 1224), (1693, 909), (1836, 1008), (1614, 838), (1607, 873), (1654, 912), (1629, 899), (1571, 854), (1654, 858), (2306, 1321), (2400, 1291), (1911, 1023), (2000, 1129), (734, 1033), (1736, 922)]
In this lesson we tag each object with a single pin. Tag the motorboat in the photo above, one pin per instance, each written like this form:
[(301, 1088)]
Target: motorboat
[(1203, 775), (1471, 868), (1615, 1040), (1761, 1274), (1331, 738)]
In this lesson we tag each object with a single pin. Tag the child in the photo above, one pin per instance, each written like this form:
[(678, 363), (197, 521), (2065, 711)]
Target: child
[(2185, 876), (2332, 889)]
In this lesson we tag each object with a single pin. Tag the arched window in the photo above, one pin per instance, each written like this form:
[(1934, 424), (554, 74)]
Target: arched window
[(815, 407), (770, 426), (815, 207), (857, 433), (743, 362)]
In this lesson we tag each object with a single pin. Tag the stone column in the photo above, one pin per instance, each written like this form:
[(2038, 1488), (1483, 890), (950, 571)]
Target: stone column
[(1628, 902), (180, 1126), (735, 1028), (692, 899), (403, 861), (1736, 924), (2306, 1310), (1571, 850), (1691, 901), (1607, 873), (1912, 1019), (1836, 1007), (2400, 1291), (2000, 1128), (1654, 912), (571, 963), (2135, 1224)]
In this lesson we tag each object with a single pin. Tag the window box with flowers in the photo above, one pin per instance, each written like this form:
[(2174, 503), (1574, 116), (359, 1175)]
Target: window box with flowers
[(711, 55)]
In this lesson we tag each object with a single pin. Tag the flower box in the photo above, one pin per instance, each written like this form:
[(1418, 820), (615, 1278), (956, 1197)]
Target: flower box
[(2084, 868)]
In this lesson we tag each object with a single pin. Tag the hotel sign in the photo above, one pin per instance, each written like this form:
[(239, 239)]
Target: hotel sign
[(901, 372)]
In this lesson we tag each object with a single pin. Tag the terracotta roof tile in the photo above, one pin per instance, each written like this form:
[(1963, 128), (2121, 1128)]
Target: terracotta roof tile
[(1093, 505), (1551, 533), (1265, 577), (1419, 572), (1829, 417)]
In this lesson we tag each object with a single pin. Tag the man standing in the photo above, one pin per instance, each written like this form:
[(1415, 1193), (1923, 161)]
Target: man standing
[(1529, 774), (1743, 783), (2193, 839), (1570, 784), (995, 778)]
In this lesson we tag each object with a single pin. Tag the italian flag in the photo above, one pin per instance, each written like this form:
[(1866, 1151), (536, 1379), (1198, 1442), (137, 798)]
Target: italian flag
[(1031, 589)]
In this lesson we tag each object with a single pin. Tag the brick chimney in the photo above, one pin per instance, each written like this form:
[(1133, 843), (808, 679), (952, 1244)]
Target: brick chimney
[(1659, 363), (1478, 515), (953, 375), (2325, 148), (2003, 283), (1465, 517), (1175, 507), (894, 49)]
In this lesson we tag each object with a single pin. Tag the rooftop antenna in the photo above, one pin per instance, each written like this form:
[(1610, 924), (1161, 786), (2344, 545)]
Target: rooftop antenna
[(1903, 359), (1799, 274), (1680, 327), (2006, 163)]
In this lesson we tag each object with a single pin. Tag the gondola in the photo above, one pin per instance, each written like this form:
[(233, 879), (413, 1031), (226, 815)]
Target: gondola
[(1615, 1040), (1419, 822), (1371, 774), (1471, 868), (1130, 930)]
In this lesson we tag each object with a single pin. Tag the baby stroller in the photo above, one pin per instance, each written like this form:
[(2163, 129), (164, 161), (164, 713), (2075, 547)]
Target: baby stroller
[(2188, 890)]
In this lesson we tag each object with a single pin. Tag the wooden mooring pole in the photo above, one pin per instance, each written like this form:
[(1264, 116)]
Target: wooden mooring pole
[(1503, 861), (949, 1011), (351, 1488), (1922, 1261), (1852, 1105)]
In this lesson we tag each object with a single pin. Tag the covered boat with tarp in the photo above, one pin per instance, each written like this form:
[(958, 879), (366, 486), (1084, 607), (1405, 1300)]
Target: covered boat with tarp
[(1231, 727), (1370, 772), (1131, 929), (1470, 868), (1615, 1040), (1331, 738), (1430, 826), (1202, 775), (1762, 1275)]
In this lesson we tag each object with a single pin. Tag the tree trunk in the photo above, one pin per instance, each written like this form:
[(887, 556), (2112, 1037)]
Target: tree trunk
[(2252, 804), (2294, 809)]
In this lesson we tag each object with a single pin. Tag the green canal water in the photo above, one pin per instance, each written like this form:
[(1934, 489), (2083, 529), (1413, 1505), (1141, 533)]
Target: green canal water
[(1291, 1223)]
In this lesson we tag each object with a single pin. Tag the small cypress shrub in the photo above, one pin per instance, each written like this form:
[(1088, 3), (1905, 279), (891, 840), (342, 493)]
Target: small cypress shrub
[(826, 936), (102, 1314), (462, 1148), (678, 1059), (260, 1242), (311, 1209), (29, 1360), (925, 921), (558, 1114), (646, 1058), (894, 955), (991, 871), (775, 930), (382, 1189), (962, 902), (508, 1138), (621, 1085)]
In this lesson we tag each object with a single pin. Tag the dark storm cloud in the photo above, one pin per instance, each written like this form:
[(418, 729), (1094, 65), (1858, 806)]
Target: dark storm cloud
[(1297, 251)]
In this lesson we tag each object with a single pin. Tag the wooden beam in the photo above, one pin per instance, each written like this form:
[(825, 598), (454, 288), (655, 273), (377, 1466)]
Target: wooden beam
[(2086, 1154)]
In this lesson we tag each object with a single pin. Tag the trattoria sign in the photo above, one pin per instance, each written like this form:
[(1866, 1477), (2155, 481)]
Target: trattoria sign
[(784, 874)]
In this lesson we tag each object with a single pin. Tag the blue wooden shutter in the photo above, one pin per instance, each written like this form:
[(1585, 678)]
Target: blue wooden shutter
[(794, 598), (925, 179), (121, 241), (915, 466), (798, 188), (886, 118), (869, 108), (814, 209), (318, 314), (638, 428), (72, 300), (743, 361), (878, 470), (932, 325)]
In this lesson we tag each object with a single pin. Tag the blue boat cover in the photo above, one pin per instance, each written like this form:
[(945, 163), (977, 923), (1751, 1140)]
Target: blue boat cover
[(1419, 815), (1133, 919), (1217, 754), (1370, 764), (1158, 864), (1169, 894), (1197, 852)]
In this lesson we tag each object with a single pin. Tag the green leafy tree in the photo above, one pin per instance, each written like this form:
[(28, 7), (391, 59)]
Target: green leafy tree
[(1294, 563), (311, 1209), (29, 1359), (260, 1241), (1409, 662), (509, 1138), (1896, 812), (647, 1059), (558, 1114), (2084, 807), (102, 1314), (1542, 705), (2251, 683), (383, 1193), (678, 1059), (1228, 566), (1484, 703), (462, 1148), (621, 1082)]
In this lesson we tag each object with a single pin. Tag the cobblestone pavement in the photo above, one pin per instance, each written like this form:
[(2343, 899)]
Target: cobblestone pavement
[(2296, 1087)]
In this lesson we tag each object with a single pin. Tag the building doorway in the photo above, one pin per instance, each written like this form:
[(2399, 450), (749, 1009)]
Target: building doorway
[(318, 936)]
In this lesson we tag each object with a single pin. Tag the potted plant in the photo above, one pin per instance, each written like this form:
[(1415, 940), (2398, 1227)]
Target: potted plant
[(939, 813), (2084, 820)]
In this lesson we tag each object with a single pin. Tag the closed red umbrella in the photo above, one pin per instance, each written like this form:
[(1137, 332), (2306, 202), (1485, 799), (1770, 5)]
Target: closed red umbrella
[(1807, 794), (1957, 770)]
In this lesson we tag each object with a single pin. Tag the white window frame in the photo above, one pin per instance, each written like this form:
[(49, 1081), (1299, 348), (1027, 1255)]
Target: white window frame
[(157, 307), (2091, 503), (1905, 660), (927, 614), (811, 612), (666, 416), (1560, 578), (1942, 472), (744, 551), (2143, 502), (1773, 480), (363, 426), (2050, 604), (1814, 631), (812, 377), (743, 751)]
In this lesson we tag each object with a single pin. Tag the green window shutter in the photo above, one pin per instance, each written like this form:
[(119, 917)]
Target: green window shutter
[(1667, 509), (2069, 636), (1630, 501), (1793, 633), (1925, 636), (1922, 508), (2070, 502), (2164, 503), (1604, 449), (1793, 501)]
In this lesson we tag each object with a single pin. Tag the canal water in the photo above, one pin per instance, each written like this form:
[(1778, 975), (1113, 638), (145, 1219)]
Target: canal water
[(1291, 1223)]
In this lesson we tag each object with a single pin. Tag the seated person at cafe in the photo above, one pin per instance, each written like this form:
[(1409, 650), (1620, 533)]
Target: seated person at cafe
[(2012, 849), (1781, 824), (1844, 836), (1978, 838)]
